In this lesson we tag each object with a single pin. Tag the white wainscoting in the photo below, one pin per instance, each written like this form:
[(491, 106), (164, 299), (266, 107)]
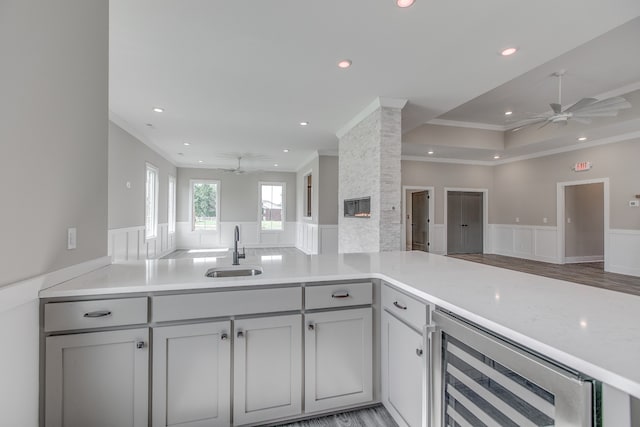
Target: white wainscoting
[(624, 248), (539, 243), (436, 239), (250, 236), (129, 244), (307, 237), (328, 239)]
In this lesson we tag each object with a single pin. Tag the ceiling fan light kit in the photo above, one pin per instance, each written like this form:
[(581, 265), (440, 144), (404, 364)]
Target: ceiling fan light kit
[(580, 112)]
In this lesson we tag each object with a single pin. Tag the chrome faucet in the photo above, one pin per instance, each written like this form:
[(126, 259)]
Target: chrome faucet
[(236, 255)]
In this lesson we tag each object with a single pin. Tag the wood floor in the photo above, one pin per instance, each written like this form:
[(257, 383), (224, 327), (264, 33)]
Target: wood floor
[(590, 274), (376, 416)]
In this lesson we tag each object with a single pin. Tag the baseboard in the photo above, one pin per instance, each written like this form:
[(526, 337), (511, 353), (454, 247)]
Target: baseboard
[(581, 259), (24, 291)]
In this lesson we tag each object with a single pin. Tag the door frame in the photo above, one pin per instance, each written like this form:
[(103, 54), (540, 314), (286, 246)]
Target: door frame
[(560, 216), (417, 188), (485, 215)]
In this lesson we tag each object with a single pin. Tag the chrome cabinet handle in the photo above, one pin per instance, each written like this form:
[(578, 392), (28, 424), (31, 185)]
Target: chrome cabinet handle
[(311, 327), (139, 345), (400, 306), (224, 337), (240, 334), (96, 314), (340, 294), (419, 352)]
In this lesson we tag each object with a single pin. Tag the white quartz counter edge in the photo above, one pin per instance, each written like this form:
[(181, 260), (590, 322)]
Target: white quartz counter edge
[(589, 368)]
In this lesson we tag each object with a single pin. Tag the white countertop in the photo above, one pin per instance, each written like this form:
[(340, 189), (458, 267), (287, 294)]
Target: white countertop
[(592, 330)]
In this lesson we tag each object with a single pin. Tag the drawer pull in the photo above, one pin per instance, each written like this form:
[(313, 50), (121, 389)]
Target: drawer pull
[(140, 345), (400, 306), (240, 334), (96, 314), (419, 352), (340, 295), (224, 337), (311, 327)]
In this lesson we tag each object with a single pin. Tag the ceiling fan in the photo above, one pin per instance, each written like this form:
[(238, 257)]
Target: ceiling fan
[(581, 112), (237, 170)]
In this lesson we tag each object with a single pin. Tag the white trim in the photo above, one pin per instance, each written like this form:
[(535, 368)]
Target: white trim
[(444, 160), (581, 259), (624, 90), (329, 153), (560, 216), (218, 197), (485, 215), (156, 189), (377, 103), (470, 125), (431, 191), (131, 130), (284, 205), (309, 159), (19, 293), (172, 203), (535, 242), (306, 200)]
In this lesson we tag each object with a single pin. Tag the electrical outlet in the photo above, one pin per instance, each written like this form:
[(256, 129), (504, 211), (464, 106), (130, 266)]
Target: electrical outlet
[(634, 203), (568, 220), (545, 220), (71, 238), (517, 219)]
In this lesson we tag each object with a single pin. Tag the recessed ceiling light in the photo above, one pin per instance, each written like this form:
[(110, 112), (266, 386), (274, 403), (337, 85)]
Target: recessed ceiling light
[(582, 138), (304, 123), (345, 63), (186, 144), (508, 51), (200, 161), (158, 109), (286, 150), (404, 3), (275, 164), (496, 157), (508, 113), (429, 152)]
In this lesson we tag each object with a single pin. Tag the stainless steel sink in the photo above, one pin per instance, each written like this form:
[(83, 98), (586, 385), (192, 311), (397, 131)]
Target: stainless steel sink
[(236, 271)]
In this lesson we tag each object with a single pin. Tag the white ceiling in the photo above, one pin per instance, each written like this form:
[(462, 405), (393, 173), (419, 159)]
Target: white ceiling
[(237, 77)]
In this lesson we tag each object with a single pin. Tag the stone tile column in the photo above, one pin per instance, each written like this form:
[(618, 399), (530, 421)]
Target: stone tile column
[(369, 166)]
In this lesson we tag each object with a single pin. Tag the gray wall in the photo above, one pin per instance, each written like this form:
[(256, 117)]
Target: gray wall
[(313, 167), (53, 167), (238, 193), (127, 162), (584, 206), (527, 189), (328, 190), (441, 175)]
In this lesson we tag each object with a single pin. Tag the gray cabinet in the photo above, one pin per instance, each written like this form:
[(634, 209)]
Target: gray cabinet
[(97, 379), (191, 375), (267, 368), (338, 359), (403, 370)]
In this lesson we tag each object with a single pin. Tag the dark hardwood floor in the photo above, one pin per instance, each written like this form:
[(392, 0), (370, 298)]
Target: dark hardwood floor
[(376, 416), (590, 274)]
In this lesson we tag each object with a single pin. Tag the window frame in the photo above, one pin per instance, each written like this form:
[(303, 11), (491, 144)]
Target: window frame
[(171, 204), (192, 216), (154, 226), (284, 205)]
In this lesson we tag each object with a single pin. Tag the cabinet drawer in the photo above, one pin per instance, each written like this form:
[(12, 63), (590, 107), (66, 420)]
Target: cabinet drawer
[(61, 316), (227, 303), (338, 295), (404, 307)]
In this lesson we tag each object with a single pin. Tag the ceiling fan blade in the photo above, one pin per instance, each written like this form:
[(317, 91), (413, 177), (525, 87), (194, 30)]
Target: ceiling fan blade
[(546, 123), (557, 108), (583, 120), (528, 122), (603, 113), (580, 104), (615, 103)]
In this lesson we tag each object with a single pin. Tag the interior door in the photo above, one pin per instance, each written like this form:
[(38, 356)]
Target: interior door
[(420, 221), (464, 222)]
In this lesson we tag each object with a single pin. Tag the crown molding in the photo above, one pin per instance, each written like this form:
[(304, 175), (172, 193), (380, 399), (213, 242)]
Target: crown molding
[(377, 103), (444, 160), (470, 125)]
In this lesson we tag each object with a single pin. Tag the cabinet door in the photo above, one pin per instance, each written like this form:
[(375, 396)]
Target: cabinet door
[(338, 359), (403, 367), (267, 368), (98, 379), (191, 375)]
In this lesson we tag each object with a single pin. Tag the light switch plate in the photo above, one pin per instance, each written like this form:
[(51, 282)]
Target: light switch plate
[(634, 203), (71, 238)]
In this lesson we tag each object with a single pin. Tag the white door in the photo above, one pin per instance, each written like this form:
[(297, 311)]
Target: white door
[(338, 359), (191, 375), (267, 368), (403, 365), (98, 379)]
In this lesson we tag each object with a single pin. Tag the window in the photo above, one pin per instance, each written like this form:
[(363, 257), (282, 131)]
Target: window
[(151, 203), (307, 196), (205, 205), (171, 216), (272, 204)]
